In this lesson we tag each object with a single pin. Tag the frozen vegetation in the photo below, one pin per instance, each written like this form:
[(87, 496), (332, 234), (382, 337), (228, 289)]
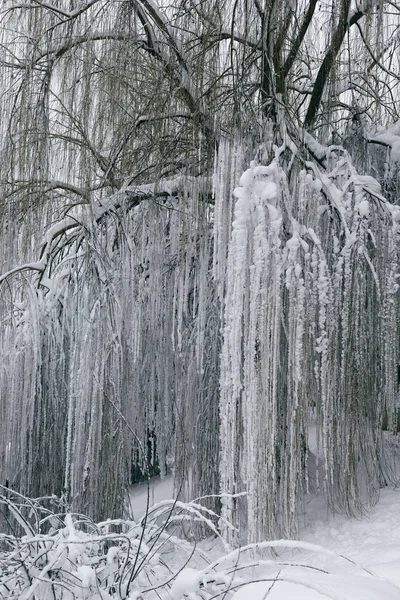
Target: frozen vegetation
[(199, 275), (69, 557), (307, 335)]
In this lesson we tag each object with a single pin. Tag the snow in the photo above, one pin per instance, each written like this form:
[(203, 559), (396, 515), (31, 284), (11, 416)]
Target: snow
[(275, 218), (258, 591), (390, 138), (315, 147), (395, 155), (363, 208), (337, 557), (186, 582), (371, 543), (301, 586), (367, 181), (87, 575), (158, 489)]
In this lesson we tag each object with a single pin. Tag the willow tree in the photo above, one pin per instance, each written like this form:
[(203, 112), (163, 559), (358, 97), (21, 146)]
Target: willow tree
[(159, 306)]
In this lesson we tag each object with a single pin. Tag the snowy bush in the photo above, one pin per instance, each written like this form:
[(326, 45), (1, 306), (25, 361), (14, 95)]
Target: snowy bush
[(59, 555), (53, 555)]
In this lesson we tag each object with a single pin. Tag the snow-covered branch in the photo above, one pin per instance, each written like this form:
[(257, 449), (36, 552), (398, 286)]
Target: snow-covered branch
[(390, 138), (127, 198), (54, 232), (132, 195)]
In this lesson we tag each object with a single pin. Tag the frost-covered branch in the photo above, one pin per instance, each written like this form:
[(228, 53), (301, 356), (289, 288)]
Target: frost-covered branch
[(127, 197), (132, 195), (389, 138), (52, 234)]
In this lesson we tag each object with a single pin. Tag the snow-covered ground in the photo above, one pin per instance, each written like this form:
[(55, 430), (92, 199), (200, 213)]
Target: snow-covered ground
[(362, 562), (366, 564), (157, 489), (372, 541)]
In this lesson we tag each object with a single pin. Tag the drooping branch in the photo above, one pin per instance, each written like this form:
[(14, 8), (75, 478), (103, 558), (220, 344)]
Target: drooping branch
[(56, 10), (268, 82), (52, 234), (127, 198), (47, 186)]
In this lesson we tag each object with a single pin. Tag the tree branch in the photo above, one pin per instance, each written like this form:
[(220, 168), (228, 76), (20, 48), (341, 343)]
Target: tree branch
[(329, 59), (299, 38), (127, 197), (52, 185), (55, 231), (35, 4)]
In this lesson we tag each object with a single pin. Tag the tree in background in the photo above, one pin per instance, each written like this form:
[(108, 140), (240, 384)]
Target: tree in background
[(151, 295)]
